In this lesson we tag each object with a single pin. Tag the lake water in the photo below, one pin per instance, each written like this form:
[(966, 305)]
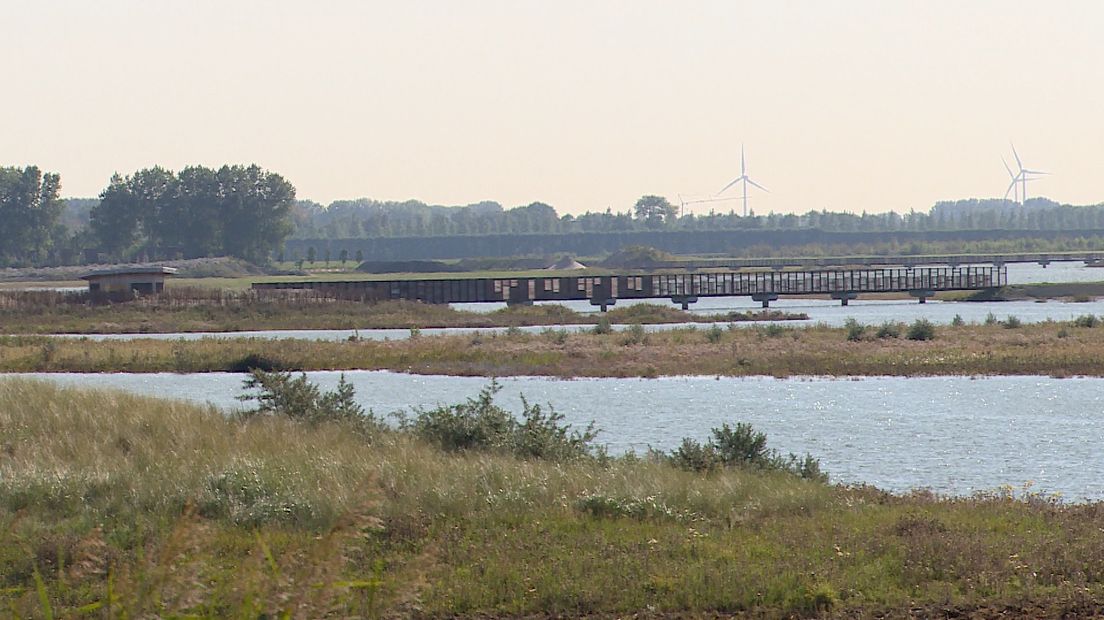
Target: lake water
[(955, 435), (869, 312)]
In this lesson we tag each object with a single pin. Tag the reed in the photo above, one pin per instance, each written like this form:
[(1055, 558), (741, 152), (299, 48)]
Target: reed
[(113, 505), (1054, 349)]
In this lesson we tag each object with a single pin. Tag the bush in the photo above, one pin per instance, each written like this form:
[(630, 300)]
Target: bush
[(635, 334), (741, 446), (714, 334), (1086, 320), (854, 329), (889, 330), (602, 327), (1012, 322), (957, 321), (991, 319), (281, 394), (774, 330), (921, 329), (481, 425)]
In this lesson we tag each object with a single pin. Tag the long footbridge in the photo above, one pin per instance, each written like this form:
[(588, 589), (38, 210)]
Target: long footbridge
[(681, 288)]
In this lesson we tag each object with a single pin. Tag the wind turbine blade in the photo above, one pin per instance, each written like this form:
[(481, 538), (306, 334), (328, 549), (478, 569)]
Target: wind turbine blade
[(757, 185), (1017, 156), (1007, 168), (734, 182), (1011, 186), (743, 169), (1034, 172)]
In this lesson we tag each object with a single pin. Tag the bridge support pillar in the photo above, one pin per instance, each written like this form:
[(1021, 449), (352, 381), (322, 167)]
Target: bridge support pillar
[(922, 294), (844, 296), (603, 303), (1044, 263), (684, 300), (765, 298)]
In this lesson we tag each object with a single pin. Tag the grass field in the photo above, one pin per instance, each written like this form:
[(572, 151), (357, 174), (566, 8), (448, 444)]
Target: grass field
[(118, 506), (1003, 348)]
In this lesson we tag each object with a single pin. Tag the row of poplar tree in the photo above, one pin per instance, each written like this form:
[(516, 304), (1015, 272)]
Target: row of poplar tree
[(241, 211)]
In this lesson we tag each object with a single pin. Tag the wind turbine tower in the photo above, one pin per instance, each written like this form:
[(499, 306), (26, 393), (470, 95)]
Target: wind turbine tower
[(745, 179), (1019, 179)]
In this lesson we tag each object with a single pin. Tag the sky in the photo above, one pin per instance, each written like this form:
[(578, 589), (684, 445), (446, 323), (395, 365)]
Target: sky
[(863, 105)]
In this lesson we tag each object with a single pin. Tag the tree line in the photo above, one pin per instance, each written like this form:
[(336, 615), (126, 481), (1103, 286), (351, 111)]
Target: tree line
[(370, 219), (155, 213), (248, 212)]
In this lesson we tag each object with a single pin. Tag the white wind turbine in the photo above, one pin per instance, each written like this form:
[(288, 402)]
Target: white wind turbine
[(745, 179), (1021, 177)]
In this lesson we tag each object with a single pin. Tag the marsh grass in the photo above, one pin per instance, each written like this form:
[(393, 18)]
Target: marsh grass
[(761, 350), (210, 309), (113, 505)]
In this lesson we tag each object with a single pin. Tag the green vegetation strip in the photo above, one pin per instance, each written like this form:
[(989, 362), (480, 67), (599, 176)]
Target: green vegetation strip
[(199, 310), (113, 505), (1002, 347)]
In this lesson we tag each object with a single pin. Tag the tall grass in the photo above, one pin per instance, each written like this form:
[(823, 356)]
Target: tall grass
[(119, 506)]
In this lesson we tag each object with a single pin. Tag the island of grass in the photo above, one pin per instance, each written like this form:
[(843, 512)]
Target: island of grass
[(113, 505), (214, 310), (997, 347)]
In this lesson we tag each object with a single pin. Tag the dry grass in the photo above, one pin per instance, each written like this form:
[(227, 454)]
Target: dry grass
[(1055, 349), (119, 506)]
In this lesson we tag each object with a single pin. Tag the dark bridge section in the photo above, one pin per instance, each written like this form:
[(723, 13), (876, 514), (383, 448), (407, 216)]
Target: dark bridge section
[(680, 288)]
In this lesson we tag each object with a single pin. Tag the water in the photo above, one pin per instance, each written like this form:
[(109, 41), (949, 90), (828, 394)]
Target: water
[(829, 312), (868, 312), (955, 435)]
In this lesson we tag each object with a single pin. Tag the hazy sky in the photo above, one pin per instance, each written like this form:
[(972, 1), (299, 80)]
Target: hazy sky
[(859, 105)]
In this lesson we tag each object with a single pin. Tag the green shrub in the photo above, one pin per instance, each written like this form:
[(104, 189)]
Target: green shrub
[(635, 334), (921, 329), (479, 424), (1086, 320), (1011, 322), (281, 394), (602, 327), (889, 329), (991, 319), (774, 330), (557, 336), (854, 329), (741, 446), (714, 334), (957, 321)]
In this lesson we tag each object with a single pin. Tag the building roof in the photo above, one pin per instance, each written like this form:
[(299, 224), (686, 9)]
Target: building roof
[(138, 270)]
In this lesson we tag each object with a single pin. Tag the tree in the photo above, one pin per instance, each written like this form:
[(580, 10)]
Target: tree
[(29, 213), (235, 211), (360, 256), (654, 210), (311, 255), (343, 255)]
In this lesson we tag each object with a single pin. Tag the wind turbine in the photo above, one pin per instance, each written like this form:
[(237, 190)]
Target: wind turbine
[(1021, 177), (745, 179)]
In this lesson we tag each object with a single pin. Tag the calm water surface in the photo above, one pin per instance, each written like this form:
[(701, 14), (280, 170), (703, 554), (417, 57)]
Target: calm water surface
[(956, 435)]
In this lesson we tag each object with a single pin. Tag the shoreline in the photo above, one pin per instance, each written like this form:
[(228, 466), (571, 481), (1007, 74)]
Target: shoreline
[(1047, 349)]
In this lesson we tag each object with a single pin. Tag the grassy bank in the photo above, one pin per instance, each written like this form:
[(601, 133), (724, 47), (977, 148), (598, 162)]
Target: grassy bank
[(200, 310), (1002, 348), (119, 506)]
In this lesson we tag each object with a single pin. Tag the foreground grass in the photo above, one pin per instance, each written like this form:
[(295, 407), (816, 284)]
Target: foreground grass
[(116, 506), (1055, 349)]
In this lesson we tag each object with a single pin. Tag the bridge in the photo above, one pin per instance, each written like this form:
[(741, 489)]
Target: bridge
[(681, 288), (953, 260)]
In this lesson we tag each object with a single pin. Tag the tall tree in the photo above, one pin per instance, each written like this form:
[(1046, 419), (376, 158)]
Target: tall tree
[(29, 212)]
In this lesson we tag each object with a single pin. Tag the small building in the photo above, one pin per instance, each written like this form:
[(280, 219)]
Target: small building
[(125, 280)]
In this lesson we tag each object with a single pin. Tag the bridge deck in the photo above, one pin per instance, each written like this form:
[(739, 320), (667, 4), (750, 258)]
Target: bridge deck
[(603, 290)]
